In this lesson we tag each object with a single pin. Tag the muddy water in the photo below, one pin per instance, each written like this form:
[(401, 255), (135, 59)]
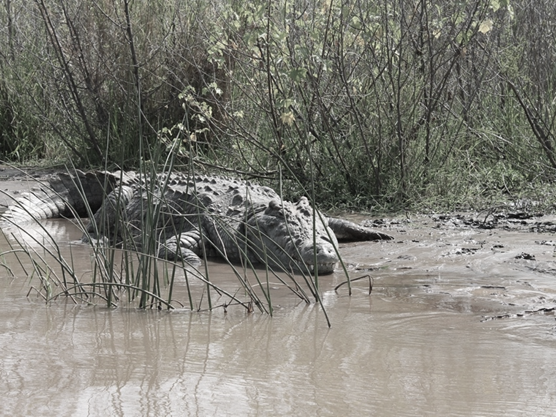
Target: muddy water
[(459, 323)]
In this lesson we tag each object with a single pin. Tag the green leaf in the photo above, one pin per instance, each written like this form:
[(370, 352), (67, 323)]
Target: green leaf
[(297, 74), (495, 4)]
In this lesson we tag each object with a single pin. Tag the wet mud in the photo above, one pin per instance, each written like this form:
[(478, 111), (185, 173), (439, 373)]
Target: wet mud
[(459, 321), (497, 266)]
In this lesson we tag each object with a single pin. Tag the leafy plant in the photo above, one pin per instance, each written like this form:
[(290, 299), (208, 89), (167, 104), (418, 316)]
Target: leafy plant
[(371, 102)]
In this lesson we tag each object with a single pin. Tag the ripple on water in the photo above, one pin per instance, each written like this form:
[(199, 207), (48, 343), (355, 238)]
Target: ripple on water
[(416, 346)]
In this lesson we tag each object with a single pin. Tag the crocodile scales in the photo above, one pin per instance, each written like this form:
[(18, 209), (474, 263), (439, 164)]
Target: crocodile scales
[(194, 217)]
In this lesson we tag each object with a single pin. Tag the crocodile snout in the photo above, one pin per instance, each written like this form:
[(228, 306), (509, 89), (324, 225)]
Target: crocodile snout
[(326, 256)]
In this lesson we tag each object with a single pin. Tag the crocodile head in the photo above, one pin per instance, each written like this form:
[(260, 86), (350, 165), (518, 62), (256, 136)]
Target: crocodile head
[(287, 236)]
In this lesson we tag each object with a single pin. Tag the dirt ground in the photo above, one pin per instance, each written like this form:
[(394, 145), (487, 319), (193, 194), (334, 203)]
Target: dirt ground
[(498, 265), (14, 181)]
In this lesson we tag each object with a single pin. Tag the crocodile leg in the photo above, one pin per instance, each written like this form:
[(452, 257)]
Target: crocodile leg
[(350, 232), (112, 210), (186, 246)]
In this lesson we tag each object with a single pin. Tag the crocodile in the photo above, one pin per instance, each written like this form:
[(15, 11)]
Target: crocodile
[(191, 217)]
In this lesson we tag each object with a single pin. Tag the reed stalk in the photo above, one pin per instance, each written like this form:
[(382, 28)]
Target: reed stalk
[(132, 273)]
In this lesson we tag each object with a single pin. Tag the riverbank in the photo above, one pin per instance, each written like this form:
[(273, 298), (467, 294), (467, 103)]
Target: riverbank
[(15, 180), (472, 261)]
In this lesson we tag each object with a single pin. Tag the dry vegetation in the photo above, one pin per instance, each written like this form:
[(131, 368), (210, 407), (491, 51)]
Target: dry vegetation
[(364, 103)]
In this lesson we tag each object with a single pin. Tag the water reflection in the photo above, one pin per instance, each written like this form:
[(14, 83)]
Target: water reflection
[(402, 351), (46, 233)]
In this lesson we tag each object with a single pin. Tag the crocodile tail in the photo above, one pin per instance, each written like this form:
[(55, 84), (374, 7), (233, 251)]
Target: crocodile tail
[(60, 195), (347, 231)]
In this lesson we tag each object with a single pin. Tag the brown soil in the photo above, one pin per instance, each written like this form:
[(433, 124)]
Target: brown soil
[(15, 180)]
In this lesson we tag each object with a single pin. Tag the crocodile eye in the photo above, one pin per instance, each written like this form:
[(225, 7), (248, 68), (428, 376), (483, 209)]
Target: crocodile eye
[(274, 209), (274, 204)]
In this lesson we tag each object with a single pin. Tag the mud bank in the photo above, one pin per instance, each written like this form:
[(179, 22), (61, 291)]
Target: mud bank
[(497, 264), (14, 181)]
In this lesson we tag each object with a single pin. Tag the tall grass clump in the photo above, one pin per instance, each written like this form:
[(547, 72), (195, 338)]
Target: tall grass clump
[(126, 236)]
